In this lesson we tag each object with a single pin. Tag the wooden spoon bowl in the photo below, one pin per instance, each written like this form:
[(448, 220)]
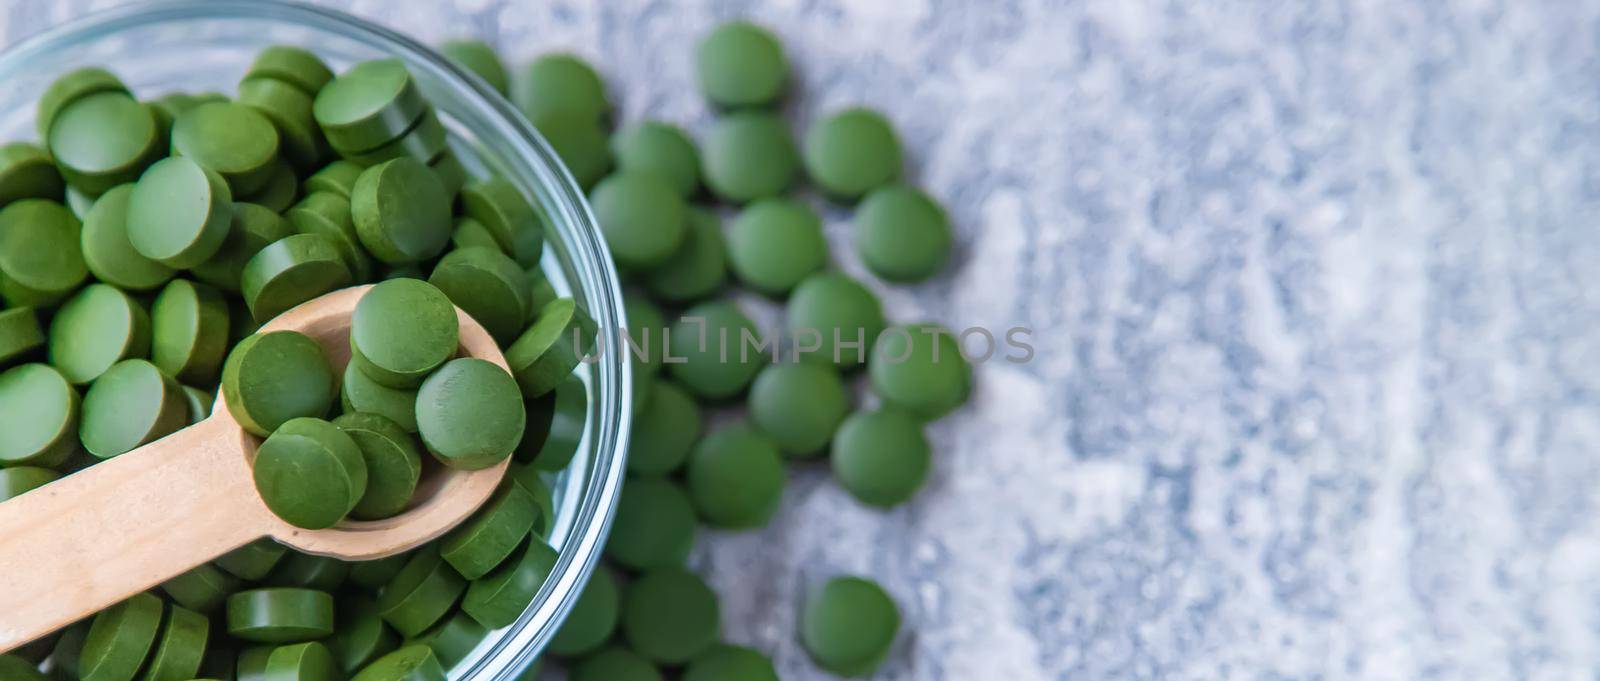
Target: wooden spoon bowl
[(89, 540)]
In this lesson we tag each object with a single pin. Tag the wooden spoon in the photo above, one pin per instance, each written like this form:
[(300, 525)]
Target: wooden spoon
[(89, 540)]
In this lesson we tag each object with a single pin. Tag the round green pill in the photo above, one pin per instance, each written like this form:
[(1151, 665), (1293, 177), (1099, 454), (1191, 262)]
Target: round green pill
[(16, 480), (411, 663), (103, 140), (580, 141), (423, 142), (670, 615), (716, 345), (615, 664), (251, 229), (422, 593), (254, 560), (338, 177), (505, 213), (653, 526), (902, 234), (120, 639), (310, 473), (848, 626), (179, 213), (305, 571), (359, 393), (27, 172), (107, 250), (881, 457), (470, 414), (183, 646), (291, 271), (852, 152), (748, 156), (71, 87), (699, 268), (401, 330), (798, 405), (919, 368), (560, 83), (202, 589), (401, 211), (498, 598), (735, 478), (21, 337), (836, 318), (487, 539), (741, 64), (664, 431), (329, 215), (235, 140), (289, 110), (470, 233), (369, 105), (552, 449), (488, 285), (453, 639), (359, 634), (309, 661), (552, 346), (280, 615), (41, 261), (38, 416), (660, 149), (373, 574), (279, 192), (478, 58), (642, 218), (592, 619), (131, 404), (95, 329), (730, 663), (774, 244), (393, 464), (293, 65), (189, 331), (270, 378)]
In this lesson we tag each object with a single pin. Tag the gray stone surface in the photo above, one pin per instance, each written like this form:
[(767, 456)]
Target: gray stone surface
[(1317, 353)]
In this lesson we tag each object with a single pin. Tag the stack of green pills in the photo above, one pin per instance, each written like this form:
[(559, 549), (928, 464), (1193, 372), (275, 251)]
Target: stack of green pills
[(143, 241)]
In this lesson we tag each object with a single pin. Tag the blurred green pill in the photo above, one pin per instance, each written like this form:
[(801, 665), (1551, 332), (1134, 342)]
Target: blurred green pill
[(735, 477), (741, 64), (881, 457)]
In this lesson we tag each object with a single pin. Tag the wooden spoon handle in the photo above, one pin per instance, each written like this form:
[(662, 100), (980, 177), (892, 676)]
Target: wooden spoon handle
[(84, 542)]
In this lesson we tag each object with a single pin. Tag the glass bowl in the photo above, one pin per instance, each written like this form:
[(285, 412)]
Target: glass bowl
[(206, 45)]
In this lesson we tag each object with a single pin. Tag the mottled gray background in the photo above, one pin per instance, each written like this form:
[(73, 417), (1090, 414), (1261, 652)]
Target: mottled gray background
[(1315, 393)]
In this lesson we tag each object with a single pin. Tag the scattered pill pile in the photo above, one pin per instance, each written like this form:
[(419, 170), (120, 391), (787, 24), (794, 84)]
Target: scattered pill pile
[(659, 198), (144, 242), (141, 247)]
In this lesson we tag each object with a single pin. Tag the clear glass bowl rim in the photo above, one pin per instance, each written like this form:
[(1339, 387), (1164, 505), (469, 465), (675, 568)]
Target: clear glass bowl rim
[(592, 274)]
